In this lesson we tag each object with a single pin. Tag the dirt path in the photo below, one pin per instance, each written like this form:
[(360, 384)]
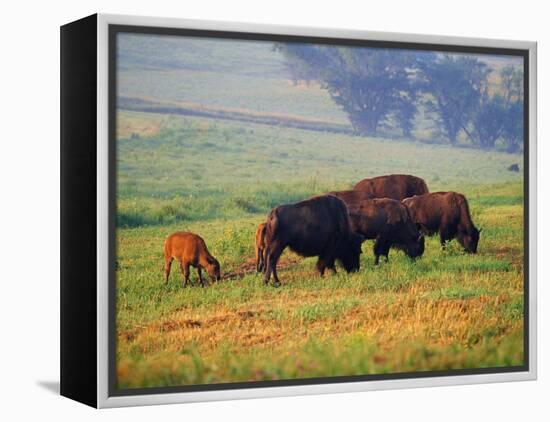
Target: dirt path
[(149, 105), (249, 267)]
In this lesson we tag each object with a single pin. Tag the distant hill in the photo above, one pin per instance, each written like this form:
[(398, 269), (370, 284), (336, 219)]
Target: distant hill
[(220, 73), (150, 52)]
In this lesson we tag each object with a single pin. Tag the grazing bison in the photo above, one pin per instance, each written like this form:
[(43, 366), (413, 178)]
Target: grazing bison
[(259, 247), (319, 227), (387, 221), (351, 197), (394, 186), (190, 250), (446, 213)]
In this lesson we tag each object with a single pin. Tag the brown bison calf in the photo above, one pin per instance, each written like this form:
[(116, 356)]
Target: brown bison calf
[(387, 221), (394, 186), (259, 247), (446, 213), (190, 250)]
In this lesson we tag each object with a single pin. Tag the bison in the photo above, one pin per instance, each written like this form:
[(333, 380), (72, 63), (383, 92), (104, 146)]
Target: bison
[(259, 247), (446, 213), (319, 227), (387, 221), (190, 250), (394, 186), (351, 197)]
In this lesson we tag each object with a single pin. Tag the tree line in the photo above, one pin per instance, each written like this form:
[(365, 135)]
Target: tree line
[(384, 88)]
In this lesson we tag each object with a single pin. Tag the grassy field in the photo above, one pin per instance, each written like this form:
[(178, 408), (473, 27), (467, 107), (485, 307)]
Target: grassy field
[(217, 178)]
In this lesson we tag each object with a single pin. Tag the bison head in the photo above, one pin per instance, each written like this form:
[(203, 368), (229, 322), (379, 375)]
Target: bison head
[(410, 240), (415, 247), (213, 269), (469, 239), (350, 253)]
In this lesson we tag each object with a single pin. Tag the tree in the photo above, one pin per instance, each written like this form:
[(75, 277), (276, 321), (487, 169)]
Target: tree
[(456, 85), (501, 115), (462, 100), (512, 130), (373, 86), (488, 121), (379, 88), (405, 113)]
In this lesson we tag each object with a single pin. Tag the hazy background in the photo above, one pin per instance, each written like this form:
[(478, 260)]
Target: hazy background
[(431, 97)]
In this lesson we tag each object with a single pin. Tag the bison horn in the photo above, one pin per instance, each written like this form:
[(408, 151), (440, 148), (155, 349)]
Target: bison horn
[(420, 236)]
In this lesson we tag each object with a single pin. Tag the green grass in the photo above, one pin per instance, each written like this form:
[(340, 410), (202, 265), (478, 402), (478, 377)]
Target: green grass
[(194, 169), (448, 310)]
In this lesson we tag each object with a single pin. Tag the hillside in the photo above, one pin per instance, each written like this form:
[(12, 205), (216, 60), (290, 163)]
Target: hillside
[(244, 75)]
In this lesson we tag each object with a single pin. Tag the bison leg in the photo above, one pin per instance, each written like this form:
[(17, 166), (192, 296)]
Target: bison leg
[(185, 271), (377, 252), (199, 272), (323, 264), (272, 257), (380, 248), (167, 266), (331, 266), (259, 260), (276, 281), (264, 259), (442, 238)]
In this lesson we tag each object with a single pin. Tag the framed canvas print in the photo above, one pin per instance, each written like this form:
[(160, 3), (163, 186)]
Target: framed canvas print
[(253, 211)]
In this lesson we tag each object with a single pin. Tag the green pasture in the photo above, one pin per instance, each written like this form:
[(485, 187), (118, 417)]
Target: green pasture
[(448, 310)]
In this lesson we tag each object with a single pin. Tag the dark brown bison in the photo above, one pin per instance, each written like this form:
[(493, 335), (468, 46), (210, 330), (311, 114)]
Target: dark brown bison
[(394, 186), (387, 221), (446, 213), (319, 227), (190, 250), (259, 247), (351, 197)]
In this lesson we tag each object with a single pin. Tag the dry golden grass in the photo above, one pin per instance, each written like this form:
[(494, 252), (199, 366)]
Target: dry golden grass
[(390, 325)]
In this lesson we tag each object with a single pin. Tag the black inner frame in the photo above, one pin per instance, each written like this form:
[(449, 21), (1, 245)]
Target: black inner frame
[(242, 36)]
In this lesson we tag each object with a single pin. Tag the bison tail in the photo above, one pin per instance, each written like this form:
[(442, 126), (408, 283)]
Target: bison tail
[(271, 226)]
